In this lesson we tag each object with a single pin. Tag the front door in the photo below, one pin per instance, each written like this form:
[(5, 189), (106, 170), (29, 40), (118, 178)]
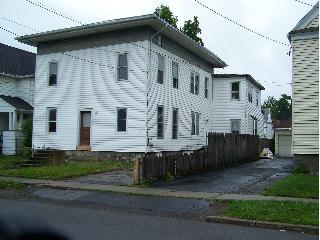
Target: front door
[(85, 124)]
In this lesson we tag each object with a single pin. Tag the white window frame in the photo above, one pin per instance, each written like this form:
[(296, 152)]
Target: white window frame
[(195, 124), (238, 120), (206, 89), (235, 99), (177, 124), (163, 71), (194, 82), (175, 63), (163, 121), (118, 67), (48, 120), (48, 77), (117, 130)]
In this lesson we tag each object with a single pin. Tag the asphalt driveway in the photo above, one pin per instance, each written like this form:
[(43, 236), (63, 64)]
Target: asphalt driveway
[(250, 178)]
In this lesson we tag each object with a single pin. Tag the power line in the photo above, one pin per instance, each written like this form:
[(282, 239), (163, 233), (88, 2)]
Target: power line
[(19, 24), (240, 25), (308, 4)]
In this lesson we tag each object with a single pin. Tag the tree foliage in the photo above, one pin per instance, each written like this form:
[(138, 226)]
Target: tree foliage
[(277, 106), (165, 13), (191, 27)]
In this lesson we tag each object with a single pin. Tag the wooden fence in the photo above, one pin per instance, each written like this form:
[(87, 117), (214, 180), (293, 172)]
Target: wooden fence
[(223, 150)]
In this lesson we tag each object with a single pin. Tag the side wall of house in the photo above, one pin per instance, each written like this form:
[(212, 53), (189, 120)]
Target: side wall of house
[(87, 81), (253, 109), (305, 94), (17, 87), (225, 108), (181, 98)]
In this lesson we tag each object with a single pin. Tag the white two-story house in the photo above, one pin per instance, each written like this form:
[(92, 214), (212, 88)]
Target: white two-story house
[(135, 84), (237, 104)]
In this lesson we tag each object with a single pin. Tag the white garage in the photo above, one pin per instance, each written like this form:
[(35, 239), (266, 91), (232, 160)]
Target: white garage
[(283, 142)]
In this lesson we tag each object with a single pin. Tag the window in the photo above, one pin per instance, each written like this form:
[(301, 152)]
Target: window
[(122, 67), (254, 126), (206, 87), (53, 73), (160, 123), (159, 40), (121, 120), (194, 83), (175, 75), (257, 99), (160, 69), (235, 126), (175, 117), (52, 120), (250, 94), (235, 93), (195, 117)]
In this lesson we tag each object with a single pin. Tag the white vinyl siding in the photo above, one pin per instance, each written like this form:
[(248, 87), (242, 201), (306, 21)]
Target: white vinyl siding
[(305, 129), (83, 85)]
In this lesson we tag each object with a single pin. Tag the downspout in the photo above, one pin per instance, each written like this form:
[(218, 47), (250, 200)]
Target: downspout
[(147, 87)]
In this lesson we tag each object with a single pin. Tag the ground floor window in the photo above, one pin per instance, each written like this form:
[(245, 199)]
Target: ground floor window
[(52, 120), (235, 126), (121, 119), (175, 117), (195, 119), (160, 122)]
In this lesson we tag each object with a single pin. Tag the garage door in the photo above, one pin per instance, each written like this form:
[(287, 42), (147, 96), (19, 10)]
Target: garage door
[(285, 146)]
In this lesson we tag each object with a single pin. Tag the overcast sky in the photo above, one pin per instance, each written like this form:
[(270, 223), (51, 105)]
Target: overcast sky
[(243, 51)]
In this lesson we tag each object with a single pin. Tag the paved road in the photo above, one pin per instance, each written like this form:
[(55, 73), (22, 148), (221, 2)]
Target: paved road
[(83, 221), (250, 178)]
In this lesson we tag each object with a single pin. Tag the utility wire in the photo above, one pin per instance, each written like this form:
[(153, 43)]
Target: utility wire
[(308, 4), (19, 24), (240, 25)]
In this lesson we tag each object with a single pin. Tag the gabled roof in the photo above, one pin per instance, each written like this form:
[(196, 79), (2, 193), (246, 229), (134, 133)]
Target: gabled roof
[(150, 20), (16, 102), (307, 19), (16, 62), (247, 76)]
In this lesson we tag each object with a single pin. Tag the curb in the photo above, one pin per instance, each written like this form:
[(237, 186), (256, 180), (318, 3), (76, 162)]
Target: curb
[(253, 223)]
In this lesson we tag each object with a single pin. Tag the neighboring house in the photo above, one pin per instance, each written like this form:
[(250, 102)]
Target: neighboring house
[(304, 39), (135, 84), (267, 123), (237, 104), (17, 68), (283, 135)]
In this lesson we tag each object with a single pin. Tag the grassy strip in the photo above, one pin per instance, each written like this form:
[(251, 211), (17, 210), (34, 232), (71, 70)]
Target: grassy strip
[(10, 185), (296, 185), (60, 171), (275, 211)]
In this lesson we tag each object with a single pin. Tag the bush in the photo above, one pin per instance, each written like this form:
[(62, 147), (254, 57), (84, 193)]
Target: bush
[(301, 169), (27, 136)]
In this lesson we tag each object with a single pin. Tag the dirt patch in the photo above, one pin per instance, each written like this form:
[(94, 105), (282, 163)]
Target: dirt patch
[(215, 209)]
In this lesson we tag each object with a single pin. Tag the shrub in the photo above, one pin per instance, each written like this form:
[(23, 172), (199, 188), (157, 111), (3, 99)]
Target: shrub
[(27, 136)]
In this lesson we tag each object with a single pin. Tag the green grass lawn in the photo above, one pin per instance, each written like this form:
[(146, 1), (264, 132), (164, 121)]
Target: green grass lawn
[(274, 211), (10, 185), (296, 185), (69, 169)]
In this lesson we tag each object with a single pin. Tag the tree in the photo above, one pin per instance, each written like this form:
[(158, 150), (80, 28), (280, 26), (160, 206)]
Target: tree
[(165, 13), (283, 104), (192, 29)]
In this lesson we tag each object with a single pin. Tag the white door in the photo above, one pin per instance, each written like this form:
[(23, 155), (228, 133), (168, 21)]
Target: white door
[(285, 146)]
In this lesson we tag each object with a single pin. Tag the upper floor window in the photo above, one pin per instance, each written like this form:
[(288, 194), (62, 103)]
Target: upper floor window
[(175, 75), (122, 67), (194, 83), (206, 80), (235, 90), (121, 120), (175, 119), (52, 120), (195, 119), (159, 40), (53, 73), (257, 99), (250, 94), (160, 122), (160, 69), (235, 126)]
